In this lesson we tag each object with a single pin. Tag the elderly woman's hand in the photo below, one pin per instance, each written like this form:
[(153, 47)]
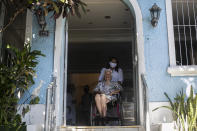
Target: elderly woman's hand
[(98, 92), (114, 92), (111, 93)]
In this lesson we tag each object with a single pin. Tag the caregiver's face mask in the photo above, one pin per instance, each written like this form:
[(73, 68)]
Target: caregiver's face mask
[(112, 65)]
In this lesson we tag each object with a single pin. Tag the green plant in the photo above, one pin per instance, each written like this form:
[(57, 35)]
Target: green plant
[(16, 75), (184, 110), (58, 7)]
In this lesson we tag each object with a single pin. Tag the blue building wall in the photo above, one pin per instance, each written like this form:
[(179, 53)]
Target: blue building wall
[(156, 53), (44, 69), (155, 50)]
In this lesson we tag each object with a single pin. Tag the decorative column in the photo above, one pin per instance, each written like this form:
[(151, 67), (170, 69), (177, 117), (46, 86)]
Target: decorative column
[(59, 69)]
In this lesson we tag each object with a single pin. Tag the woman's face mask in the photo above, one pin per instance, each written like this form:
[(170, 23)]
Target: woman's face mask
[(112, 65)]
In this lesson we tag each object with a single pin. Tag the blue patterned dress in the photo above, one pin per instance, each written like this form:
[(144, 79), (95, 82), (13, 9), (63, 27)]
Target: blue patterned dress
[(108, 89)]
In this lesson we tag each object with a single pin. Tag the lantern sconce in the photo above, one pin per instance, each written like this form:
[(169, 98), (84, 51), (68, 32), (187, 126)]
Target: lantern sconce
[(42, 22), (155, 14)]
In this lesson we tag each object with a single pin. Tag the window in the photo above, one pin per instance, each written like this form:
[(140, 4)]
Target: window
[(182, 34), (16, 33)]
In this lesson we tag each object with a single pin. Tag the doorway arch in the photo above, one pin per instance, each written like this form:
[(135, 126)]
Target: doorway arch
[(136, 11), (60, 67)]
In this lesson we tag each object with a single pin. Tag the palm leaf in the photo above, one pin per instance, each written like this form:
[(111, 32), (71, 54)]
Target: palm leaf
[(171, 103)]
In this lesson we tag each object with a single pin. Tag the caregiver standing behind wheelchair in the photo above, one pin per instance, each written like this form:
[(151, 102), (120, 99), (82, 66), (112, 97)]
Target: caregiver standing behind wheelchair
[(105, 92), (117, 74)]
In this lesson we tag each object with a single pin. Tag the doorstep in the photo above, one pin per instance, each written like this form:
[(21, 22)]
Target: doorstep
[(101, 128)]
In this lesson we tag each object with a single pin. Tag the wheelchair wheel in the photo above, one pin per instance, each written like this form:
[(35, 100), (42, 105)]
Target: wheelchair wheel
[(91, 122), (92, 115), (121, 114)]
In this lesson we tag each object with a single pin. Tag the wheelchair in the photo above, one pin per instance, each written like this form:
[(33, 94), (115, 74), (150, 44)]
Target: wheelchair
[(113, 115)]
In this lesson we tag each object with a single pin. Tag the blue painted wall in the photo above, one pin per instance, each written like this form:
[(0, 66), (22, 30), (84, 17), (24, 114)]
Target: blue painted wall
[(157, 56), (45, 67)]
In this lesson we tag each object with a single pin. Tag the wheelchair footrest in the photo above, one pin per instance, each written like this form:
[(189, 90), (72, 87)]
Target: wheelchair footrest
[(98, 118), (112, 119)]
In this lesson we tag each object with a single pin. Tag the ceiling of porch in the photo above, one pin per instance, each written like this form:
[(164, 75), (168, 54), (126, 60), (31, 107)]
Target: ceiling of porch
[(105, 30), (104, 21)]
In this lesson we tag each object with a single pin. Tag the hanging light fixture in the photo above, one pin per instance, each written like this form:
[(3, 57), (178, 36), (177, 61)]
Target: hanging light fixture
[(42, 22), (155, 14)]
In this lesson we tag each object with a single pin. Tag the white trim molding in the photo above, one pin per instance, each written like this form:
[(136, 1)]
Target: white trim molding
[(169, 16), (173, 69), (58, 67), (182, 70), (134, 6), (65, 72)]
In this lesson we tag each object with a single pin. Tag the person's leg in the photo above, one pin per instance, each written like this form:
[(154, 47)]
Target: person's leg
[(104, 102), (98, 103)]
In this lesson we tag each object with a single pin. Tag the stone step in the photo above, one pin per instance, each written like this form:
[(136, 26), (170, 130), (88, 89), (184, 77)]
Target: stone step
[(101, 128)]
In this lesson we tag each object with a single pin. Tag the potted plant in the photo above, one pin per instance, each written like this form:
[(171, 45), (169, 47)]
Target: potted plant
[(184, 111)]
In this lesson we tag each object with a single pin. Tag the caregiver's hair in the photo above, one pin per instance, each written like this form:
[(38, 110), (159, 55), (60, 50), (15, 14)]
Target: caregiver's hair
[(109, 60)]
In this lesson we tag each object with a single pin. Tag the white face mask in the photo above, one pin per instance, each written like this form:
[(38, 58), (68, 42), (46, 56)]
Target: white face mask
[(112, 65)]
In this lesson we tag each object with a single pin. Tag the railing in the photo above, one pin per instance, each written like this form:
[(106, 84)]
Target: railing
[(50, 107), (146, 104)]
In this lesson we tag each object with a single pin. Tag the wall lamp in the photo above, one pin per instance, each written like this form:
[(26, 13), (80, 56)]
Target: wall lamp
[(42, 22), (155, 14)]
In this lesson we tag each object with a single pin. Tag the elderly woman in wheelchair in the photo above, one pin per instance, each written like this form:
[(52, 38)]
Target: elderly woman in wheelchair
[(106, 91)]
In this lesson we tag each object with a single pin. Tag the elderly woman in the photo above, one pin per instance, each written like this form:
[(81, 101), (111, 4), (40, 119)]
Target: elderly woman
[(105, 91)]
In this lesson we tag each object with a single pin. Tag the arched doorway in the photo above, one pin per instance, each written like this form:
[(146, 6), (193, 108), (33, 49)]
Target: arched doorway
[(91, 40), (138, 56)]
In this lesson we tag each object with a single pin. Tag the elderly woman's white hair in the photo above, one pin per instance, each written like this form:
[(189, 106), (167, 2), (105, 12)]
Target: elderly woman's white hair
[(108, 70)]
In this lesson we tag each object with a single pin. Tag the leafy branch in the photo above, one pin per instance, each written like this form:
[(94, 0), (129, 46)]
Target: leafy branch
[(64, 7), (12, 19)]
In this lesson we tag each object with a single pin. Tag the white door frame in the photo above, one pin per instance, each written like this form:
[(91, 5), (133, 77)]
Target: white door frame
[(136, 11), (59, 69), (59, 50)]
